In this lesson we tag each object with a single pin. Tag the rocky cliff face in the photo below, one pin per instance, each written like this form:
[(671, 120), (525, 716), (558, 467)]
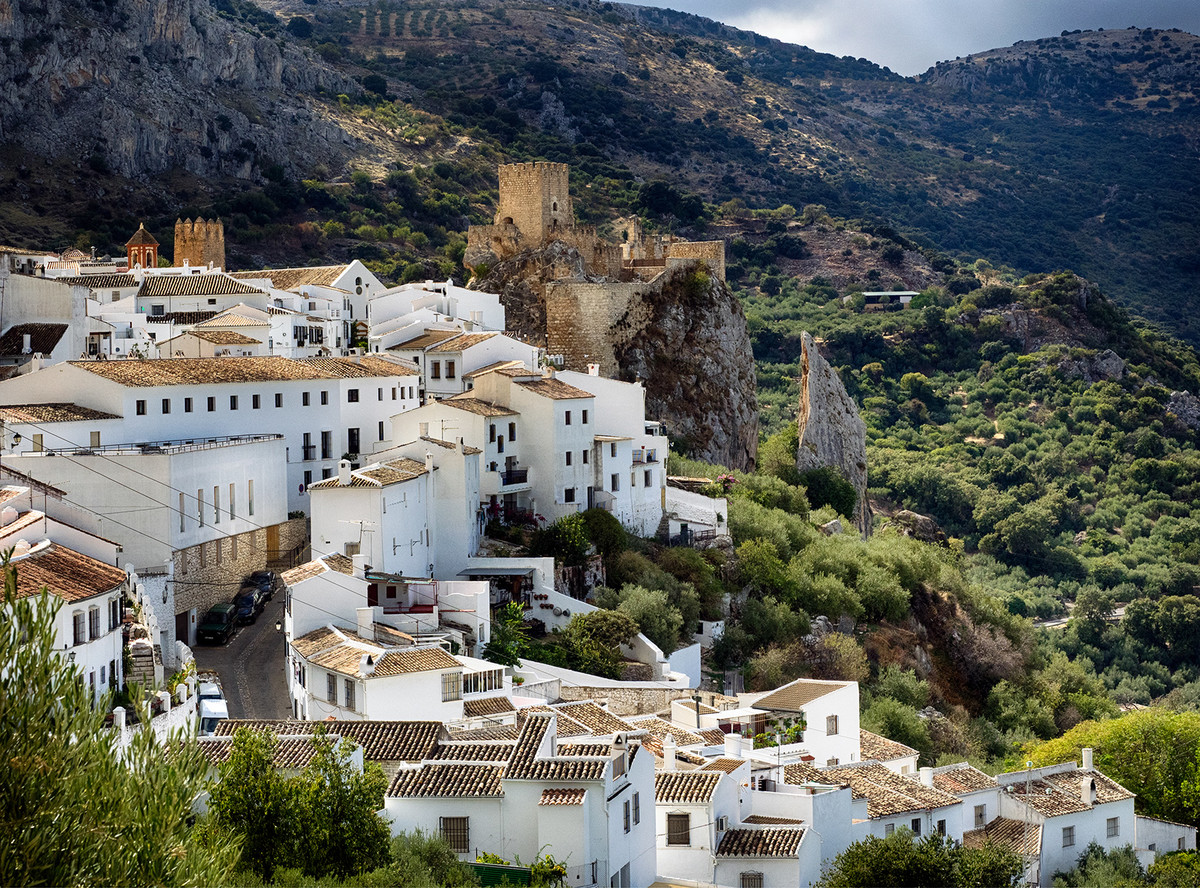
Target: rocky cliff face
[(144, 86), (831, 431)]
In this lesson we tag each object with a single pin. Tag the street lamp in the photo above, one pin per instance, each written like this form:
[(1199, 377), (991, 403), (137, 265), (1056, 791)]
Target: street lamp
[(279, 625), (696, 700)]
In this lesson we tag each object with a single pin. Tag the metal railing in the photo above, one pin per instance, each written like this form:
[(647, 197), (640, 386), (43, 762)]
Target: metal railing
[(181, 446), (514, 476)]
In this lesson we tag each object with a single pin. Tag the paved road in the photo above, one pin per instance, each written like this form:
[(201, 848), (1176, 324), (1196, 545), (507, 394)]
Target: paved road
[(251, 667)]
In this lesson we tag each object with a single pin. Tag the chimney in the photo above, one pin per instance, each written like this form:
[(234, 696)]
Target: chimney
[(927, 776), (26, 343), (733, 746), (669, 752), (428, 461), (366, 666), (1087, 789), (1087, 758), (593, 369), (344, 473), (360, 566), (366, 622)]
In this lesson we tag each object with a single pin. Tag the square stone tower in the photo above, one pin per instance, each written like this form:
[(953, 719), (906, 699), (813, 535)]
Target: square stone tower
[(536, 197), (200, 242)]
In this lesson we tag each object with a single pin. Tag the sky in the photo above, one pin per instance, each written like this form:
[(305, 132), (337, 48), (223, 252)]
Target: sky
[(910, 36)]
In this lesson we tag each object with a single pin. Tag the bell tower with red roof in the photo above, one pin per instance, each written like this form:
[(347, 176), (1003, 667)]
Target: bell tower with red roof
[(142, 249)]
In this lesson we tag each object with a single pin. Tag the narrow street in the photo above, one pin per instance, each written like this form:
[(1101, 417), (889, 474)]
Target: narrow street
[(251, 666)]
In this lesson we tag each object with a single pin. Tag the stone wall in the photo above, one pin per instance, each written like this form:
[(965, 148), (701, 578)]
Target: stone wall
[(639, 700), (710, 252), (579, 319), (200, 242), (535, 197)]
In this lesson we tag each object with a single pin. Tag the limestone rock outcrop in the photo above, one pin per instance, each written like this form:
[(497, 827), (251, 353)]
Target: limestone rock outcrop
[(831, 431)]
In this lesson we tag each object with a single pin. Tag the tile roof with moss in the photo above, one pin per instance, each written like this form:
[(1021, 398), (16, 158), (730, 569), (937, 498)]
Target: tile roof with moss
[(660, 728), (382, 741), (290, 278), (342, 652), (40, 413), (526, 764), (881, 749), (424, 339), (1055, 794), (288, 752), (887, 793), (760, 843), (555, 389), (65, 574), (487, 706), (462, 342), (961, 778), (685, 787), (445, 781), (471, 404), (1015, 835)]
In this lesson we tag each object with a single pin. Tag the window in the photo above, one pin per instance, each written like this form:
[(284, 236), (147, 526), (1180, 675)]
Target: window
[(381, 430), (750, 880), (95, 439), (612, 450), (39, 443), (326, 473), (187, 405), (140, 408), (349, 694), (93, 622), (1114, 827), (166, 405), (451, 686), (628, 815), (679, 829), (326, 445), (647, 478), (216, 504), (567, 421), (279, 399), (637, 807), (352, 396), (158, 310), (324, 398), (584, 418), (584, 455), (457, 833), (500, 444), (568, 457), (308, 478), (212, 405), (381, 393), (450, 370), (512, 431), (492, 433), (569, 495), (114, 614), (255, 402), (304, 398), (916, 826), (80, 627), (435, 370), (980, 816), (941, 827), (200, 506), (616, 482), (233, 402), (889, 829), (250, 497), (831, 725), (1068, 836), (331, 687), (352, 440), (231, 507)]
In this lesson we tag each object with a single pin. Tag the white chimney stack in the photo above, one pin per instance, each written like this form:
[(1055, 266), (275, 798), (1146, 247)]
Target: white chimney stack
[(733, 746), (360, 566), (1087, 758), (1087, 789), (344, 473), (366, 666), (669, 752), (593, 369), (428, 461), (927, 776), (366, 622)]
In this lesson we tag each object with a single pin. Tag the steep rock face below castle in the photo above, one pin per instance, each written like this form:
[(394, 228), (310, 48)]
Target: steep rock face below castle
[(521, 281), (830, 429), (687, 341)]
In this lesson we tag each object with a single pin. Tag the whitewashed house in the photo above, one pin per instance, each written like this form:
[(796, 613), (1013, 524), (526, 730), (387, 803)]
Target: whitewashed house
[(443, 300)]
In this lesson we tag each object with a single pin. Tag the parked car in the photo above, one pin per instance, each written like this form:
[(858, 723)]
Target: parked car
[(213, 707), (217, 625), (266, 580), (248, 603)]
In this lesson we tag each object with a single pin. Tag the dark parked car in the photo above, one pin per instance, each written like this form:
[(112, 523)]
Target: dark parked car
[(266, 580), (218, 624), (249, 604)]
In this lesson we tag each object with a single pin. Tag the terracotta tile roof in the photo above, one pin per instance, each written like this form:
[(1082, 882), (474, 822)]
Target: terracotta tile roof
[(364, 367), (196, 371), (421, 660), (229, 319), (487, 706), (378, 475), (314, 641), (9, 492), (382, 741), (471, 404), (562, 796), (23, 523), (1015, 835), (554, 389), (343, 564), (725, 765), (207, 284), (886, 792), (470, 751), (290, 278), (43, 338), (660, 728), (795, 696), (799, 773), (881, 749), (492, 732), (963, 778), (450, 445), (39, 413), (462, 343), (424, 340), (498, 365), (705, 709), (593, 717), (444, 781), (65, 574), (289, 752), (181, 318), (767, 820), (760, 843), (713, 736), (141, 237), (1061, 793), (567, 726), (100, 281), (586, 750), (685, 787), (218, 337), (526, 765)]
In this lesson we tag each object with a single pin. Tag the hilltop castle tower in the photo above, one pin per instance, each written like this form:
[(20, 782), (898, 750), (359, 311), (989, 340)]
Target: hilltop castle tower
[(142, 249), (200, 242), (536, 197)]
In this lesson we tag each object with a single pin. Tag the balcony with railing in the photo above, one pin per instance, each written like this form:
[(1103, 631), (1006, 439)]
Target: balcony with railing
[(514, 475), (310, 451), (645, 456)]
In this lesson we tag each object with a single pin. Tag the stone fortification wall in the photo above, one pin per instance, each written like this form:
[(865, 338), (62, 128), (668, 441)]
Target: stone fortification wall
[(579, 320), (640, 700), (200, 242), (710, 252)]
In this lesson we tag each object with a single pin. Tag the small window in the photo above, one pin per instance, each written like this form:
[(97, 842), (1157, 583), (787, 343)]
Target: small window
[(233, 402), (492, 433), (324, 398), (637, 808), (450, 371), (187, 405), (750, 880), (255, 402), (140, 408), (568, 457), (381, 430), (612, 450), (331, 687), (435, 370), (305, 398), (512, 431), (889, 829), (679, 829), (39, 443), (569, 495), (279, 399), (584, 455), (352, 396), (457, 833), (916, 826), (941, 827), (166, 405), (212, 405), (831, 725), (349, 694), (381, 394), (567, 421), (584, 418), (451, 686), (647, 478), (616, 482), (1114, 827), (1068, 836), (980, 816), (94, 622), (628, 815)]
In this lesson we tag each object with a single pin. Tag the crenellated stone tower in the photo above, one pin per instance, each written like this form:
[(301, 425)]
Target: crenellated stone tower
[(200, 242), (536, 197)]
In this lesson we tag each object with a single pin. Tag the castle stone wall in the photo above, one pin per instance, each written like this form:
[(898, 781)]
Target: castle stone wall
[(537, 198), (579, 318), (200, 242), (710, 252)]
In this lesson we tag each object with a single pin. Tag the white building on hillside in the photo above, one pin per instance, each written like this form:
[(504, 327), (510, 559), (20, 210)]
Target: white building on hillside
[(445, 300)]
